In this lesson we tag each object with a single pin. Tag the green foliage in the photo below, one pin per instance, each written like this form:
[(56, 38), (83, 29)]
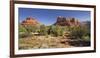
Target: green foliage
[(29, 29), (23, 35), (55, 30), (22, 29), (77, 32), (43, 30), (86, 38), (25, 31), (32, 29)]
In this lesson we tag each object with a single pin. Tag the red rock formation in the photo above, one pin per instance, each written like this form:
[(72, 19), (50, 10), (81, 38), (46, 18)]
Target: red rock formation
[(63, 21), (30, 21)]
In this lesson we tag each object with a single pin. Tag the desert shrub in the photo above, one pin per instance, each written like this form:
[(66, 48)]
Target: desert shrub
[(55, 30), (22, 32), (51, 30), (25, 31), (43, 30), (77, 32), (23, 35), (86, 38), (22, 29), (30, 29), (87, 29)]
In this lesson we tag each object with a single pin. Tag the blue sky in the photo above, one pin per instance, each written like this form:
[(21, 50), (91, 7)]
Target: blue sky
[(49, 16)]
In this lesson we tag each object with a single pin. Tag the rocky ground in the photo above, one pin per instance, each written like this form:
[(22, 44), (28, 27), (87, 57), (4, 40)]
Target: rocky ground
[(37, 42)]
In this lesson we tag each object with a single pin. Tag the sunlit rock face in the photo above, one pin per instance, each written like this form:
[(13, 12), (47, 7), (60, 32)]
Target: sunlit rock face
[(30, 21), (63, 21)]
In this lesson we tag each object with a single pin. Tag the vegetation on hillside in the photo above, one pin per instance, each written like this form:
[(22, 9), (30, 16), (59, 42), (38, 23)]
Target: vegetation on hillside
[(53, 36)]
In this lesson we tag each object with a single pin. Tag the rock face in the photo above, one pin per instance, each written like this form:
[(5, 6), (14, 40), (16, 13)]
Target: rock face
[(63, 21), (30, 21)]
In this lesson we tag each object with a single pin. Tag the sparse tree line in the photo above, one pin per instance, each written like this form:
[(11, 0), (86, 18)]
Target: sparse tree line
[(75, 32)]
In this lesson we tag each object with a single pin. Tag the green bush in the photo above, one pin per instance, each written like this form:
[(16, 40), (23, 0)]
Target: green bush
[(77, 32), (25, 31), (86, 38), (22, 29), (55, 30), (23, 35), (43, 30)]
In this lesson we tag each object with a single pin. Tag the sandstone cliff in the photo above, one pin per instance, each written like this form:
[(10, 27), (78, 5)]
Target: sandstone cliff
[(30, 21), (63, 21)]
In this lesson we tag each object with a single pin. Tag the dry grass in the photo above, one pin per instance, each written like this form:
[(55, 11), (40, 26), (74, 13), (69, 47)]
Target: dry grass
[(37, 42)]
